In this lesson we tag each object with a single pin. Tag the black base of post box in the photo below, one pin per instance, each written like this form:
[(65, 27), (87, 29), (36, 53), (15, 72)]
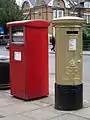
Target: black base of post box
[(68, 97)]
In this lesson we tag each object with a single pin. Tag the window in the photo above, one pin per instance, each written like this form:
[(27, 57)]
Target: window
[(87, 4), (17, 34), (58, 3), (87, 17), (59, 13), (54, 14)]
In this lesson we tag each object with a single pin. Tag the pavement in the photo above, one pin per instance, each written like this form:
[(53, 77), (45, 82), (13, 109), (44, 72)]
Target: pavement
[(12, 108)]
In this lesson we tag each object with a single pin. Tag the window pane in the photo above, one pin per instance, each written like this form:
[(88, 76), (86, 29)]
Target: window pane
[(58, 3), (59, 13), (87, 4), (54, 14)]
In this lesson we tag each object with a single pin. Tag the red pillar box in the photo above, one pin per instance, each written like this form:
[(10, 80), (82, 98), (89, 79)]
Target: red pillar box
[(29, 58)]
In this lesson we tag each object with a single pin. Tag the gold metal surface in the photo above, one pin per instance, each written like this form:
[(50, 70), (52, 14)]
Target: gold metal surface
[(68, 65), (72, 71)]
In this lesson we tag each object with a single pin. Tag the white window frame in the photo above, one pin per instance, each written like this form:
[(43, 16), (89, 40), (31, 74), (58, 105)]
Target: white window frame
[(54, 14), (59, 13), (87, 17)]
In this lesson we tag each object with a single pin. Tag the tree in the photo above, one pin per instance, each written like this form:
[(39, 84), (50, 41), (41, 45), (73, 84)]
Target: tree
[(9, 11)]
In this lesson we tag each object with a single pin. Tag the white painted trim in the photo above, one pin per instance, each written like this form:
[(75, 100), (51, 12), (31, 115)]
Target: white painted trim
[(31, 6), (51, 3)]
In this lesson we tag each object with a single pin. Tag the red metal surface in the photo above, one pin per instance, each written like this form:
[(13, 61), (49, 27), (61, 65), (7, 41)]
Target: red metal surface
[(17, 72), (31, 23), (37, 59), (29, 77)]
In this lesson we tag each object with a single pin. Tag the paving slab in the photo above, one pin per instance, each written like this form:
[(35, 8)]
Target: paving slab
[(85, 113), (48, 100), (16, 117), (19, 108), (86, 91), (68, 117), (43, 114), (86, 104), (4, 102), (39, 103)]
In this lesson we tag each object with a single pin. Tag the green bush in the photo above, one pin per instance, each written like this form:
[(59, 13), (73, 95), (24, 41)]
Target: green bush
[(86, 38)]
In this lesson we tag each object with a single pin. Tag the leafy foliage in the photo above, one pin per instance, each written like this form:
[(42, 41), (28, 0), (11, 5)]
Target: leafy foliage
[(87, 33), (9, 11), (86, 38)]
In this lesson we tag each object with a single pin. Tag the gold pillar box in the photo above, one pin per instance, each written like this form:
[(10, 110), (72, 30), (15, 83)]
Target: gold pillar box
[(68, 78)]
